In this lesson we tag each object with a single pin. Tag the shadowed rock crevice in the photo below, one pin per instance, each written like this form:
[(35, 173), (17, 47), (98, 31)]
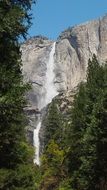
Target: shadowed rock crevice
[(73, 49)]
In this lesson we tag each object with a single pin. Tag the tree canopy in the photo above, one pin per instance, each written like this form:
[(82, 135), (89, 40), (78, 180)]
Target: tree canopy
[(77, 160), (16, 155)]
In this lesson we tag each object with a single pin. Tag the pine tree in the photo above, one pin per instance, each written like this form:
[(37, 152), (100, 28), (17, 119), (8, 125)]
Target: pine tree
[(53, 158), (15, 152), (53, 123), (88, 143)]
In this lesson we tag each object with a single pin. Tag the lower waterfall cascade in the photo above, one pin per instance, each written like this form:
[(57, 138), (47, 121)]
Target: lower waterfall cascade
[(36, 143), (51, 92)]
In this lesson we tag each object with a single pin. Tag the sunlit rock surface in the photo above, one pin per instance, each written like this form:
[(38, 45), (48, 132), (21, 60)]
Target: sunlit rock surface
[(73, 49), (75, 46), (35, 55)]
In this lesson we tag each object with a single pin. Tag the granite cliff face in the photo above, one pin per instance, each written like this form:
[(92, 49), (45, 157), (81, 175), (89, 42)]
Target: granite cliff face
[(35, 55), (76, 45), (73, 49)]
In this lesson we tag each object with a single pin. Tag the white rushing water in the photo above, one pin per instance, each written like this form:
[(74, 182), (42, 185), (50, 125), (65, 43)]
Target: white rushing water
[(51, 92), (36, 143)]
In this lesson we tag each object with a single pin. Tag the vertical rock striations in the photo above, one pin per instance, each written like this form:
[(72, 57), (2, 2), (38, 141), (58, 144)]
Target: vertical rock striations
[(73, 49), (35, 55), (75, 46)]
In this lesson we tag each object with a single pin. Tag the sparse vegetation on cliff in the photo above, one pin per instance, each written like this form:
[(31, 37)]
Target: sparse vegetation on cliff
[(76, 159), (75, 151)]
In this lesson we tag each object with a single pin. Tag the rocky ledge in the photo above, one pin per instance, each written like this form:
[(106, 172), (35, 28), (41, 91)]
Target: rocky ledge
[(73, 49)]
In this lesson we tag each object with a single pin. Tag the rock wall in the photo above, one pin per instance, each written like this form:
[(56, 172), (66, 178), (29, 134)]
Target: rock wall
[(75, 46), (73, 49), (35, 54)]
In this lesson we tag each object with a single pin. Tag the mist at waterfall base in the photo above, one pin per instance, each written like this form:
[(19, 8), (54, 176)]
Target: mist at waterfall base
[(51, 92)]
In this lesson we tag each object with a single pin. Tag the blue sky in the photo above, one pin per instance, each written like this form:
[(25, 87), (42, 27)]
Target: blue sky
[(51, 17)]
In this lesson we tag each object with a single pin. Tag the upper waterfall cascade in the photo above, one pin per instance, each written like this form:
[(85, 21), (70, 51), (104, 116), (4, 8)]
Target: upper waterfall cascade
[(51, 92), (73, 49)]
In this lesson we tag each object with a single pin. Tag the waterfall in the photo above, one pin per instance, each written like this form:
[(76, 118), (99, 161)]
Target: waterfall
[(36, 143), (51, 92)]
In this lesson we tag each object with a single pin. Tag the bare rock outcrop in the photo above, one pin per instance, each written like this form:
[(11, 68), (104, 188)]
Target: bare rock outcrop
[(35, 55), (73, 49), (75, 46)]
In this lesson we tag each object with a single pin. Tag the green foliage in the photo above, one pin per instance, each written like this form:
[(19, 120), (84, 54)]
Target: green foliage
[(4, 178), (65, 184), (52, 163), (75, 156), (53, 123), (16, 170), (87, 156), (53, 156), (53, 170), (23, 178)]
